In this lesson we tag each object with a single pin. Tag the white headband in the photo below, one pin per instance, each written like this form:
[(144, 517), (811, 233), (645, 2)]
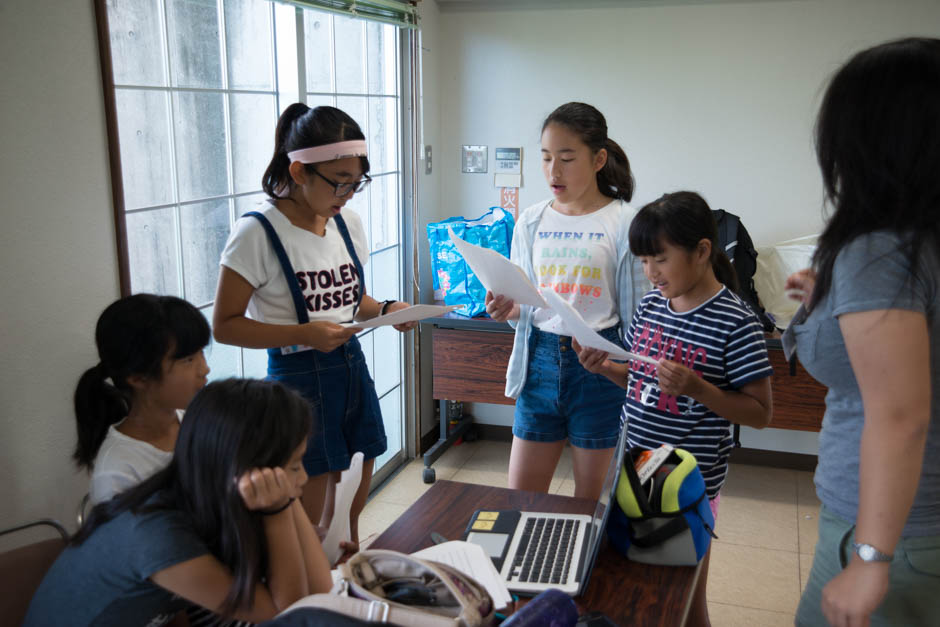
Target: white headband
[(329, 152)]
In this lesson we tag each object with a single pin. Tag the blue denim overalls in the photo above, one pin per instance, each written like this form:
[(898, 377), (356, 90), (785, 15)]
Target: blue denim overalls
[(346, 414)]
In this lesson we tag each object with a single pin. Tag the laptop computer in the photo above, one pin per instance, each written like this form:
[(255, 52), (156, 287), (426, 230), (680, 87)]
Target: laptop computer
[(534, 551)]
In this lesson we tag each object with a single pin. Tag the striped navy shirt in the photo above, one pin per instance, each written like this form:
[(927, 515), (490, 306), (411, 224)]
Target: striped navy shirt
[(722, 341)]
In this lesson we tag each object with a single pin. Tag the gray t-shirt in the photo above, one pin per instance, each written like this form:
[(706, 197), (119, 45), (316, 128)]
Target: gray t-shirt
[(106, 579), (870, 273)]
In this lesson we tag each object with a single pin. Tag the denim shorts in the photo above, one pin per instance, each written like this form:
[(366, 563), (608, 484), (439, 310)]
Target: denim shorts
[(912, 597), (561, 400), (346, 414)]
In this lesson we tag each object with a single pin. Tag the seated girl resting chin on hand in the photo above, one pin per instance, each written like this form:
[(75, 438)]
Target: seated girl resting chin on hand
[(220, 526)]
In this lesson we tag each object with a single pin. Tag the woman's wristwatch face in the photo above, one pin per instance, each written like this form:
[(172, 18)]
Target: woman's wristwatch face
[(868, 553)]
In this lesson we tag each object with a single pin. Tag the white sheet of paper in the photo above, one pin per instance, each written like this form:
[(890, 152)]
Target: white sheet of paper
[(411, 314), (472, 560), (585, 335), (498, 274), (342, 503)]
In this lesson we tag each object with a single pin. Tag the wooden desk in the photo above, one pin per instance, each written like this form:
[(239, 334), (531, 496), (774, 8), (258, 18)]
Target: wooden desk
[(628, 592), (470, 358)]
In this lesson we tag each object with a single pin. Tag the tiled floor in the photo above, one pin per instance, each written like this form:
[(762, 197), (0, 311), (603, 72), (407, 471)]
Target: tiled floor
[(766, 527)]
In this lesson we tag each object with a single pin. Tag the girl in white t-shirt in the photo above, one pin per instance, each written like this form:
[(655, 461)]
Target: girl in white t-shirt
[(126, 407), (295, 268), (576, 244)]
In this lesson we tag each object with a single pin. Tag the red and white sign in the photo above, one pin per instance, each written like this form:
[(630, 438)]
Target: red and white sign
[(509, 200)]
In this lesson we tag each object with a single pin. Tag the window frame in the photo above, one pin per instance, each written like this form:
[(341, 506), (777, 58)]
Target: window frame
[(404, 170)]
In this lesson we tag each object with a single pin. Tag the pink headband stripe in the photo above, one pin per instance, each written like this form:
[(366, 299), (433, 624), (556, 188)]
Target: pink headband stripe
[(329, 152)]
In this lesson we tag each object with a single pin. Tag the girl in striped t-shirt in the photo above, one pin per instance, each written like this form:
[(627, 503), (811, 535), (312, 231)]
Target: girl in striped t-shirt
[(713, 368)]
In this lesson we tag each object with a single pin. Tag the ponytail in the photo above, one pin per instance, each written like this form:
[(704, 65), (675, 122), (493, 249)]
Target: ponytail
[(615, 179), (723, 269), (276, 179), (302, 127), (98, 405)]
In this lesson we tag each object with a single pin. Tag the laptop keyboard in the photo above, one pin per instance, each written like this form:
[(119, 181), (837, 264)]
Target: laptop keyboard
[(545, 551)]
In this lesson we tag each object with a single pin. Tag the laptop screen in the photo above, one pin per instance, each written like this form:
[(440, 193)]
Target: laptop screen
[(602, 510)]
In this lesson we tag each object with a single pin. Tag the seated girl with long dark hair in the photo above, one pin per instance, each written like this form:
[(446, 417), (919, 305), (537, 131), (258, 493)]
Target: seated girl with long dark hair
[(220, 526)]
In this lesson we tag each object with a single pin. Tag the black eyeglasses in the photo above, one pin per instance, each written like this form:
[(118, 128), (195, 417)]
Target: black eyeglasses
[(343, 189)]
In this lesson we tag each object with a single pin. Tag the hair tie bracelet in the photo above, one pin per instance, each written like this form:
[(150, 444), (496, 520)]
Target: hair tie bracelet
[(276, 510), (330, 152)]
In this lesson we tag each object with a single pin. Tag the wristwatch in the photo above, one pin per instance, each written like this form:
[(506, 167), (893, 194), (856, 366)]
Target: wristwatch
[(868, 553)]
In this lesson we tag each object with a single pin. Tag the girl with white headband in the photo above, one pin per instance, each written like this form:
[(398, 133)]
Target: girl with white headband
[(295, 267)]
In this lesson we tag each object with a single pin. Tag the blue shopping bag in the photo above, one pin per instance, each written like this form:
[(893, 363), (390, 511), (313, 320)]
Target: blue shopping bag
[(454, 281)]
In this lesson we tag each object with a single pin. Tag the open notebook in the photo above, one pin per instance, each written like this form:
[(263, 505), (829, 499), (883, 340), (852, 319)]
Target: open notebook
[(534, 551)]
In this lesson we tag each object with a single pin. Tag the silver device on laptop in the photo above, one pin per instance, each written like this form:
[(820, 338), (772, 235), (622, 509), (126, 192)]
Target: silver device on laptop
[(534, 551)]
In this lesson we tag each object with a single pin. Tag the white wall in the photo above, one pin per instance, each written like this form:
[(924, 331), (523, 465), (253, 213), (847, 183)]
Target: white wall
[(715, 97), (56, 247), (429, 185)]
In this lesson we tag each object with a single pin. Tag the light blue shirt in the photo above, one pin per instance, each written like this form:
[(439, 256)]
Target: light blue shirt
[(630, 280)]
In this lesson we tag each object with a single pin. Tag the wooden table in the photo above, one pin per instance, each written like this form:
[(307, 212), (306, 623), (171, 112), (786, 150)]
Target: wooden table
[(627, 592), (470, 358)]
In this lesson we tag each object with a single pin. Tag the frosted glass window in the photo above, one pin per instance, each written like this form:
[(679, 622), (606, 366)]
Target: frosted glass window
[(386, 274), (385, 210), (382, 58), (204, 228), (201, 149), (151, 247), (137, 42), (253, 118), (249, 50), (144, 141), (318, 51), (199, 85), (195, 50), (350, 55), (383, 134)]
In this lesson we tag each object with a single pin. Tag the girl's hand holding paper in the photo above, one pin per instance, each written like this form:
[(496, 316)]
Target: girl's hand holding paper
[(501, 308), (584, 334), (593, 360)]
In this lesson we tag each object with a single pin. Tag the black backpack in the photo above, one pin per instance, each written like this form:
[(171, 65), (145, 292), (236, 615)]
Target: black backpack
[(737, 244), (736, 241)]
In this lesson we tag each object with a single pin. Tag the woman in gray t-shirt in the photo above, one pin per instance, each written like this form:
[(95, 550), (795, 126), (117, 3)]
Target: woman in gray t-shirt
[(872, 335)]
